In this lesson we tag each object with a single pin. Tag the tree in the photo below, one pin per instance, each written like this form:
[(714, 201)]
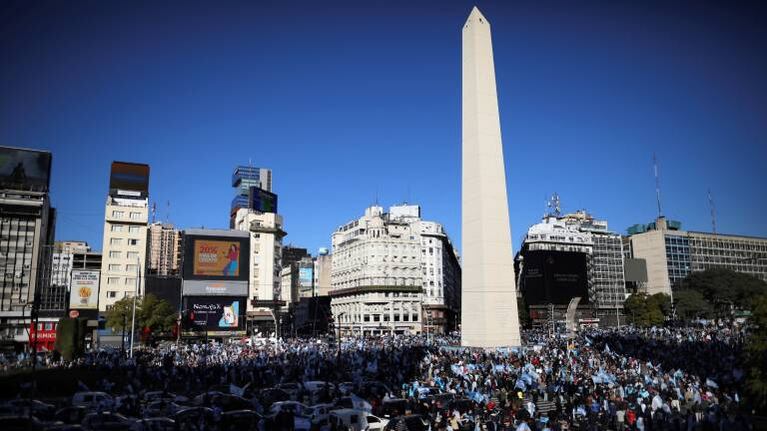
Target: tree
[(690, 304), (723, 287), (645, 310), (151, 312), (756, 356)]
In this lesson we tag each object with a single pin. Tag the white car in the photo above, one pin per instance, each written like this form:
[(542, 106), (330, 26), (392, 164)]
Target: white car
[(320, 412), (375, 423), (355, 420)]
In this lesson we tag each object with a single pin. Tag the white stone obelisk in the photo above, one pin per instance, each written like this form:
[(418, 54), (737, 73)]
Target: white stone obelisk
[(489, 295)]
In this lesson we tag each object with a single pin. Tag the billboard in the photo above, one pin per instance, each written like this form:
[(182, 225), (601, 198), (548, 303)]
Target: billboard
[(305, 277), (554, 277), (22, 169), (129, 179), (84, 289), (216, 313), (216, 257), (215, 287), (262, 200)]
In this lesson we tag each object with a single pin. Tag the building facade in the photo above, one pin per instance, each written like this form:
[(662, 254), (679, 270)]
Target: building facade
[(164, 250), (27, 225), (266, 254), (672, 253), (126, 220), (387, 268), (243, 178)]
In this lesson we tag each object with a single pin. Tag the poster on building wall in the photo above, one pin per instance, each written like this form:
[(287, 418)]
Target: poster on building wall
[(305, 277), (217, 258), (84, 289)]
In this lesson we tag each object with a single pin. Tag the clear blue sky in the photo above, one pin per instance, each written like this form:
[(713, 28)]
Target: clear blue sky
[(349, 101)]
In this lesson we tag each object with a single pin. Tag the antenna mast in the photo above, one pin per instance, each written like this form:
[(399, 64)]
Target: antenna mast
[(154, 212), (657, 184), (713, 212)]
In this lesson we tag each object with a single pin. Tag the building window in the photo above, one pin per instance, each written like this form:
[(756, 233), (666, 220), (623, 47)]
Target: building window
[(117, 228), (115, 241), (130, 281), (114, 267), (135, 216), (118, 214), (115, 254), (131, 268), (133, 229), (111, 294), (112, 280), (132, 255), (132, 242)]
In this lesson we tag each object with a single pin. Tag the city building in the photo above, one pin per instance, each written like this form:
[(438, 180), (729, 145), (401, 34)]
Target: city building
[(291, 254), (671, 253), (63, 261), (215, 274), (27, 224), (388, 269), (126, 218), (572, 256), (323, 267), (266, 236), (163, 250), (244, 180)]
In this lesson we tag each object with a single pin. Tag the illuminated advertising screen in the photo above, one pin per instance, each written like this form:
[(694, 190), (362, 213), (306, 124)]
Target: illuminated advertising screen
[(262, 200), (216, 257), (216, 313), (22, 169), (129, 179), (84, 290), (554, 277)]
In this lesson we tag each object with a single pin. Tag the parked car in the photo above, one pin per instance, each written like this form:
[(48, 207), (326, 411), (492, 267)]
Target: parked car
[(161, 409), (409, 423), (269, 396), (41, 410), (239, 420), (375, 423), (193, 417), (351, 419), (154, 424), (71, 415), (106, 421), (92, 399), (293, 389), (319, 413)]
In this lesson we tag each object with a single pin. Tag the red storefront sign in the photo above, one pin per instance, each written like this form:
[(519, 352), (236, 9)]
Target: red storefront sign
[(45, 337)]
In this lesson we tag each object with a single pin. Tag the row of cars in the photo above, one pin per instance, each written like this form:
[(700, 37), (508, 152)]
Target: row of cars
[(300, 406)]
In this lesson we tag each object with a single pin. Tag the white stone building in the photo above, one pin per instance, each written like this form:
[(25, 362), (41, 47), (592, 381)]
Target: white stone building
[(265, 254), (124, 249), (385, 268)]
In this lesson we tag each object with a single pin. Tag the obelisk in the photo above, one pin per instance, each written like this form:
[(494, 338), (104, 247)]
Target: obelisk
[(489, 295)]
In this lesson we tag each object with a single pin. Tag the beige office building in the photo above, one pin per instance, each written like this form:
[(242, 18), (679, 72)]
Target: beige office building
[(164, 242)]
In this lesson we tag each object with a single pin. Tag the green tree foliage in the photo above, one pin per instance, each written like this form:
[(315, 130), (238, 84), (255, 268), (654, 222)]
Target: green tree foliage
[(690, 304), (756, 356), (646, 310), (723, 286), (523, 312), (151, 312), (157, 314)]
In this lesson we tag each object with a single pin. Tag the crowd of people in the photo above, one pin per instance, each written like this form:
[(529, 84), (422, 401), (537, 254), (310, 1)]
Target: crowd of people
[(614, 379)]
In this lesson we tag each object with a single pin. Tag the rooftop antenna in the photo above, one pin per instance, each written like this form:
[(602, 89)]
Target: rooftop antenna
[(657, 184), (167, 212), (554, 205), (154, 212), (713, 211)]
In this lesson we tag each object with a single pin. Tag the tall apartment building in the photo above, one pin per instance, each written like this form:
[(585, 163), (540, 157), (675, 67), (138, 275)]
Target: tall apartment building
[(265, 253), (27, 224), (126, 217), (389, 269), (243, 179), (605, 273), (63, 260), (163, 250), (672, 254), (323, 267)]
